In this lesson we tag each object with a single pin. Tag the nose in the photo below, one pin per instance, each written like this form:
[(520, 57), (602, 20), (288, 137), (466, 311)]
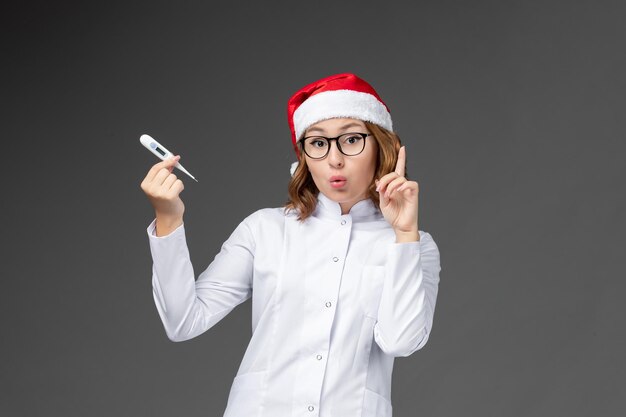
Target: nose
[(335, 157)]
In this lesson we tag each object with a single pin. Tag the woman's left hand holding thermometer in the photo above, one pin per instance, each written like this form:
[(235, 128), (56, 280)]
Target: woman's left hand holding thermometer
[(163, 188)]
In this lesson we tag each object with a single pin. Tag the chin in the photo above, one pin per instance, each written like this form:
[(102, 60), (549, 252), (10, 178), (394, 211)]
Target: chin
[(341, 196), (336, 192)]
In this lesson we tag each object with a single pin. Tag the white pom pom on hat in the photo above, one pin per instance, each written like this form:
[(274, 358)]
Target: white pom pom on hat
[(339, 95), (293, 168)]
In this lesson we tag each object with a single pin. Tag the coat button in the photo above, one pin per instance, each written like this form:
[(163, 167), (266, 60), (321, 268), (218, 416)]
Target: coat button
[(343, 222), (311, 408), (319, 357), (335, 259), (328, 304)]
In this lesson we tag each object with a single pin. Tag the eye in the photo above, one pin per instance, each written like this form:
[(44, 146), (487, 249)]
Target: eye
[(351, 140), (318, 143)]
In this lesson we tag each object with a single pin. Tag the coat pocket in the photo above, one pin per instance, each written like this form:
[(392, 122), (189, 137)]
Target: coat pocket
[(375, 405), (245, 394), (371, 287)]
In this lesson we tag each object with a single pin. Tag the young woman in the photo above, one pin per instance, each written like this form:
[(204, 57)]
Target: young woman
[(341, 279)]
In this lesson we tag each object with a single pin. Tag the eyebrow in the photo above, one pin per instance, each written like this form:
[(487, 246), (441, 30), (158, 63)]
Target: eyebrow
[(317, 129)]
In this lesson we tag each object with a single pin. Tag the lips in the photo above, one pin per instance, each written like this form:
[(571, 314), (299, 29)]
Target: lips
[(337, 181)]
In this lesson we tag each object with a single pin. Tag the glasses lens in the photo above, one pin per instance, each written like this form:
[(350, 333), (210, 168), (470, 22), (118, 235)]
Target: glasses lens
[(316, 147), (352, 143)]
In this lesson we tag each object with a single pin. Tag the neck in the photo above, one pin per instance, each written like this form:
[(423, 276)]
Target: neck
[(347, 205)]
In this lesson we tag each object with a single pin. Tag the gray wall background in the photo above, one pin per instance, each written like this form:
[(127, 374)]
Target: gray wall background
[(513, 118)]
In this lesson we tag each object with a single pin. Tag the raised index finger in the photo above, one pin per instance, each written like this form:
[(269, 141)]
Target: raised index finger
[(401, 163)]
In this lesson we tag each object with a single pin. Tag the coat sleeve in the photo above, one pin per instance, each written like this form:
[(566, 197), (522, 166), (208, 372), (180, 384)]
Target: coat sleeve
[(407, 304), (189, 307)]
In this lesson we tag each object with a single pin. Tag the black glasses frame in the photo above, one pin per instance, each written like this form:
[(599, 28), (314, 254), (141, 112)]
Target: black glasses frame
[(336, 139)]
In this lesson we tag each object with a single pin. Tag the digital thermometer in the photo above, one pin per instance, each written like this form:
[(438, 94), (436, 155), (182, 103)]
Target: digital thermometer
[(160, 151)]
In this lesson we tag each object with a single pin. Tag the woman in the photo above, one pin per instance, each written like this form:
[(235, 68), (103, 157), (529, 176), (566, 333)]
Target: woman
[(341, 279)]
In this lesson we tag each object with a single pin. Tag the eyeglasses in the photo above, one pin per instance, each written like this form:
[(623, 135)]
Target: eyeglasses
[(349, 144)]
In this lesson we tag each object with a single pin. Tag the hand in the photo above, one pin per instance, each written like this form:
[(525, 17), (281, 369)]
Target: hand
[(399, 200), (163, 189)]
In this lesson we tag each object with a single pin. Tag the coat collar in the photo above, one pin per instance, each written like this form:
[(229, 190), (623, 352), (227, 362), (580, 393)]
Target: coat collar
[(331, 210)]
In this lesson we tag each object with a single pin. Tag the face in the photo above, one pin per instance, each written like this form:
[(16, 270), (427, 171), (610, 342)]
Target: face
[(344, 179)]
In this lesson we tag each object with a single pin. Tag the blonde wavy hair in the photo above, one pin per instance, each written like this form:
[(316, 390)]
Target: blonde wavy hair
[(303, 191)]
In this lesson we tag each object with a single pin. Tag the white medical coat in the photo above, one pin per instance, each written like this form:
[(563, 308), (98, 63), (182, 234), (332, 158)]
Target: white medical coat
[(334, 300)]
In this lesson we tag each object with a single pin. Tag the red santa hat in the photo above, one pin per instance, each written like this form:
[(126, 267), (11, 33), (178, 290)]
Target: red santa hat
[(340, 95)]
